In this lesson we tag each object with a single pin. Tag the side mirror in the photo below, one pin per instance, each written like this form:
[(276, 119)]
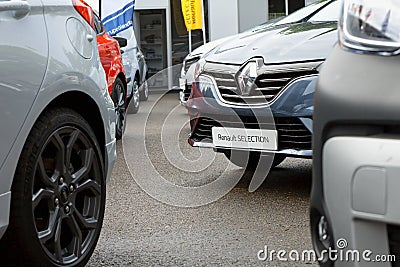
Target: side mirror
[(121, 41)]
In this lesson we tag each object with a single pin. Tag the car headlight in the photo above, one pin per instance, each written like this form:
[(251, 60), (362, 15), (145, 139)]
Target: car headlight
[(247, 76), (370, 26), (298, 97), (203, 87)]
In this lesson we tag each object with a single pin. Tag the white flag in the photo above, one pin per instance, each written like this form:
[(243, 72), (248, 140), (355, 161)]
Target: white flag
[(117, 15)]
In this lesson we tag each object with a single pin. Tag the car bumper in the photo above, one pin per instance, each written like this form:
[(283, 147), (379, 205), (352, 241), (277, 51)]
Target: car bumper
[(294, 129)]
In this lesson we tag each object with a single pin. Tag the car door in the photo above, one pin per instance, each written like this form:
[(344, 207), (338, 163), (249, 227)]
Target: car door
[(23, 61)]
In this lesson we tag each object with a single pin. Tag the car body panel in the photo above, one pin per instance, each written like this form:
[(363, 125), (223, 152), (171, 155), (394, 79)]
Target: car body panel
[(356, 124), (290, 43), (110, 57), (23, 54), (66, 72), (133, 59)]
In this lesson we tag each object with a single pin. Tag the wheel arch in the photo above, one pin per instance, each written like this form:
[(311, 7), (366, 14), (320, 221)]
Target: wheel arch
[(87, 108), (122, 77), (137, 75)]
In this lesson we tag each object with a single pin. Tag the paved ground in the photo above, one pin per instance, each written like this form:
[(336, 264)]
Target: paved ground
[(141, 231)]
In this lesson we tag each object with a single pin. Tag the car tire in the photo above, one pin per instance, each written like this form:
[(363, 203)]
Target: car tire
[(134, 104), (58, 194), (144, 93), (119, 98), (253, 158)]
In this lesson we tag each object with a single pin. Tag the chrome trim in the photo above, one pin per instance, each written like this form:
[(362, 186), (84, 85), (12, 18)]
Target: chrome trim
[(265, 69), (244, 97), (270, 88), (293, 152), (224, 80), (275, 80), (228, 87)]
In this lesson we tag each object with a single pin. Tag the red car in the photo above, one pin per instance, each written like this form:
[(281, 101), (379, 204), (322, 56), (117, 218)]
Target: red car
[(110, 57)]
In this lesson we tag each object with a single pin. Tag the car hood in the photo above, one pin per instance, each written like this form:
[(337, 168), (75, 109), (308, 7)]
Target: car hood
[(285, 43), (198, 52)]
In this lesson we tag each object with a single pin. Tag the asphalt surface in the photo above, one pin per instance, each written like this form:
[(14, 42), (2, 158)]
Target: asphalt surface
[(139, 230)]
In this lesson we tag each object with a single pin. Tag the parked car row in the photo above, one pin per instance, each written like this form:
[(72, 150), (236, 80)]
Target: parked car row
[(63, 99), (126, 72), (252, 96)]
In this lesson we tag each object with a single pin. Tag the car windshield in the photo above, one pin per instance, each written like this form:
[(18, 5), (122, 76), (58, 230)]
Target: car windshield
[(329, 13), (301, 13)]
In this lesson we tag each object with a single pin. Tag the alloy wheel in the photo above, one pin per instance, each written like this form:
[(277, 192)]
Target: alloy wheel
[(66, 195)]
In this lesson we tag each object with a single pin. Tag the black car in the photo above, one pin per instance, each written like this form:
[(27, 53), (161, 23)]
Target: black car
[(255, 93)]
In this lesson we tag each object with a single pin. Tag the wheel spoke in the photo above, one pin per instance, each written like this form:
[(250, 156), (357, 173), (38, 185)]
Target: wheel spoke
[(84, 171), (91, 185), (41, 194), (85, 223), (121, 101), (49, 233), (77, 236), (43, 175), (72, 140), (57, 240), (60, 159)]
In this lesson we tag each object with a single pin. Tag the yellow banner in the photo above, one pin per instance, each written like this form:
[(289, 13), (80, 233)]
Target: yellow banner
[(192, 14)]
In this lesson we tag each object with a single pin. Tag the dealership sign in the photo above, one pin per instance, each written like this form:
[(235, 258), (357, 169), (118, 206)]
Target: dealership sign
[(117, 15), (192, 13)]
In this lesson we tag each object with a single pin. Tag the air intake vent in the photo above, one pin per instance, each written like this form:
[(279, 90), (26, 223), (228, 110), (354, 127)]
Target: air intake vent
[(292, 134)]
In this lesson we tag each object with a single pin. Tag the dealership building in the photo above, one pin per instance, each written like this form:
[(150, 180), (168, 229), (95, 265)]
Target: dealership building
[(161, 32), (162, 36)]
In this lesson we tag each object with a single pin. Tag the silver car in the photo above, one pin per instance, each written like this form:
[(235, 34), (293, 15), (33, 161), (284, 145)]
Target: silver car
[(57, 145), (355, 218)]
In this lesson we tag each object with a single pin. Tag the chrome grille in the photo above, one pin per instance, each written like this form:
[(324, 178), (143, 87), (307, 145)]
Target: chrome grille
[(292, 134), (267, 85), (271, 84)]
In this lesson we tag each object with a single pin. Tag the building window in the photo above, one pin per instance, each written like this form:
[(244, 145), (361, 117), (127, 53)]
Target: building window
[(279, 8)]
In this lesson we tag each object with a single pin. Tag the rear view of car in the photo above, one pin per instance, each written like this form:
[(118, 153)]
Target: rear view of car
[(111, 59), (355, 194), (57, 148)]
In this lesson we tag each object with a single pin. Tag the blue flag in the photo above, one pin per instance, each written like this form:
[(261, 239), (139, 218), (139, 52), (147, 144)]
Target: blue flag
[(117, 15)]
